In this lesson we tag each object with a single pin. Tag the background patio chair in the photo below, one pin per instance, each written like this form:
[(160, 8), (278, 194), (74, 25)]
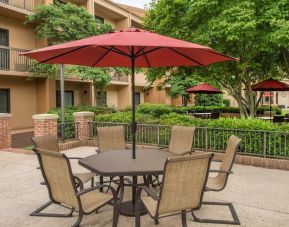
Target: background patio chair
[(182, 188), (181, 142), (62, 188), (219, 182), (278, 119), (215, 115)]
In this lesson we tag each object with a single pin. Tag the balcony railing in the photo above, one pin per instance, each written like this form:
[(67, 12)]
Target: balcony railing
[(10, 60), (119, 78), (23, 4)]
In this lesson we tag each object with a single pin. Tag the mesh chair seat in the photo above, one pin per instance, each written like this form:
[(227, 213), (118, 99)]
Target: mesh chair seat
[(84, 177), (94, 199)]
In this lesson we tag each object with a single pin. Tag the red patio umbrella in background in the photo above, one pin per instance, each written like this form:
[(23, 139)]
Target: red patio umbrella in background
[(129, 48), (270, 85), (204, 89)]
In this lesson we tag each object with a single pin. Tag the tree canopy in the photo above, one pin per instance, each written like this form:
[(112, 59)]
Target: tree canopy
[(255, 31)]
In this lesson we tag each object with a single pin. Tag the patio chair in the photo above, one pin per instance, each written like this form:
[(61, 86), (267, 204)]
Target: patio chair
[(62, 188), (278, 119), (181, 142), (215, 115), (182, 188), (111, 138), (50, 142), (219, 182)]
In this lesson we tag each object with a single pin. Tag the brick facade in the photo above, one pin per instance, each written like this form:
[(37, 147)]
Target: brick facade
[(5, 130), (82, 120), (45, 124)]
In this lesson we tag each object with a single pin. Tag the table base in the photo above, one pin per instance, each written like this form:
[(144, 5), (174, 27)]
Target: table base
[(127, 208)]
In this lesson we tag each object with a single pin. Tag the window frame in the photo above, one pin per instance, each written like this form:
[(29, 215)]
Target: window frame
[(8, 101), (58, 92)]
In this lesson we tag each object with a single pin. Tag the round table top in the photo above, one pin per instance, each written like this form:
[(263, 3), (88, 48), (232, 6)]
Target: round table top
[(120, 162)]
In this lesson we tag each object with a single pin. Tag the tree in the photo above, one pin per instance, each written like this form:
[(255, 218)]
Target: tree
[(59, 23), (255, 31), (209, 99)]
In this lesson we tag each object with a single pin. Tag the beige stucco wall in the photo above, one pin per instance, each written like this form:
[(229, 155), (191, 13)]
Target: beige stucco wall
[(112, 96), (20, 36), (22, 100)]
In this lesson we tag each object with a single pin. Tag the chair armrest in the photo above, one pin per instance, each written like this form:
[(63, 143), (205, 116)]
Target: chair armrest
[(97, 187), (220, 171), (188, 152), (74, 157), (152, 193), (216, 160)]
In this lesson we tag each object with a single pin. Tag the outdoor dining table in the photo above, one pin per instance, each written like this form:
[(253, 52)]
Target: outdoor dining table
[(118, 163)]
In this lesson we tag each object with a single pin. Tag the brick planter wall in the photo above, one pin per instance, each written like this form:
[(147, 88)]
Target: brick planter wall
[(83, 119), (45, 124), (5, 130)]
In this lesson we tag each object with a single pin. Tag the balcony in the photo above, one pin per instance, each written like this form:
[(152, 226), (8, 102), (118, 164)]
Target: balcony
[(119, 78), (10, 60), (28, 5)]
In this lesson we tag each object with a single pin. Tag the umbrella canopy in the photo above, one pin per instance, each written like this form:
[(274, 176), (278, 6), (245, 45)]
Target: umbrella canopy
[(270, 85), (129, 48), (204, 89)]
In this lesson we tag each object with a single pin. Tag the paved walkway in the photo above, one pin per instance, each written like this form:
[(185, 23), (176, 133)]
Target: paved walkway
[(260, 196)]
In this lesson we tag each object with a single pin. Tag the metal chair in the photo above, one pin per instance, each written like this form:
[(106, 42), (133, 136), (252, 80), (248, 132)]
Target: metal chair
[(215, 115), (62, 188), (278, 119), (182, 188), (50, 142), (219, 182)]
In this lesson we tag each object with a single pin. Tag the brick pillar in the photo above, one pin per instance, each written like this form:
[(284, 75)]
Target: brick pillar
[(45, 124), (82, 120), (5, 130)]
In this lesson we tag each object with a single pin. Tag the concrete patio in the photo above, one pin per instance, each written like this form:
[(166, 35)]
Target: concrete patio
[(260, 196)]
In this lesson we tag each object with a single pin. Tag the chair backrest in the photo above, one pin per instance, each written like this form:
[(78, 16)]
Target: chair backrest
[(48, 142), (267, 113), (278, 119), (111, 138), (228, 159), (57, 173), (184, 182), (182, 138)]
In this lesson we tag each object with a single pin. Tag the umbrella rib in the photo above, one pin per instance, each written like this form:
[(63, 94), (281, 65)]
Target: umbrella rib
[(98, 60), (149, 51), (185, 56), (115, 51), (60, 55), (140, 50), (147, 60)]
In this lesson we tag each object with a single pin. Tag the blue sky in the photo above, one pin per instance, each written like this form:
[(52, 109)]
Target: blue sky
[(137, 3)]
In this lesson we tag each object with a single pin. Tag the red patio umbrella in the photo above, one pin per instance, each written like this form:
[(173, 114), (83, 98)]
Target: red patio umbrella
[(270, 85), (204, 89), (129, 48)]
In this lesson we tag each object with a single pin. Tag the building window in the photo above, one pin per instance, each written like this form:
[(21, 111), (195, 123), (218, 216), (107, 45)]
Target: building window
[(4, 52), (99, 20), (137, 98), (68, 98), (4, 101), (101, 98)]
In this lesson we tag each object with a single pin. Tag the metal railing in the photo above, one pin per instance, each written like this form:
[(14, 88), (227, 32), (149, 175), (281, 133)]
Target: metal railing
[(23, 4), (70, 130), (10, 60), (254, 142)]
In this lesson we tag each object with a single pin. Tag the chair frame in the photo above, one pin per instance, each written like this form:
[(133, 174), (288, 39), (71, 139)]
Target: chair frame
[(158, 198), (236, 220), (81, 212)]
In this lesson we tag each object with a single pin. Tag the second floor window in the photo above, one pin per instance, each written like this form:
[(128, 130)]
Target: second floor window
[(101, 98), (99, 20)]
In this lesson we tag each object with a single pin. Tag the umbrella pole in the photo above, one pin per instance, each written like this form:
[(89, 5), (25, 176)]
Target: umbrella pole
[(62, 102), (133, 123), (270, 99)]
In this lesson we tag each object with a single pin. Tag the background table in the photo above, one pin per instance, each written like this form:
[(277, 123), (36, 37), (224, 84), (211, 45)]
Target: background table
[(119, 163)]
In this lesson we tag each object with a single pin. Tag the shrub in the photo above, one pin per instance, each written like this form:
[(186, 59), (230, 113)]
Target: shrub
[(209, 100), (226, 102)]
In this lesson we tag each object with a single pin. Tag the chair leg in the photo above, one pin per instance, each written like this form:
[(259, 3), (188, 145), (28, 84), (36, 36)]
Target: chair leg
[(77, 223), (115, 213), (38, 213), (235, 221), (184, 218)]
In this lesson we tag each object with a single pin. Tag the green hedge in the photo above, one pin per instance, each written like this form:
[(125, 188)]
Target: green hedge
[(160, 109)]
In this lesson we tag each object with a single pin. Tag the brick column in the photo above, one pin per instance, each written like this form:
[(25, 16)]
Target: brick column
[(82, 120), (5, 130), (45, 124)]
